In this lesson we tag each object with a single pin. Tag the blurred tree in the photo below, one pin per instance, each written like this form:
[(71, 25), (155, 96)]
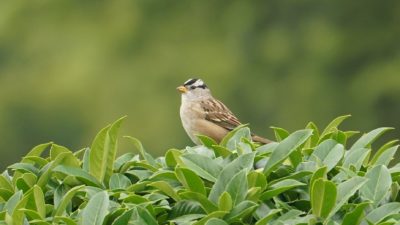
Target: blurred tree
[(69, 67)]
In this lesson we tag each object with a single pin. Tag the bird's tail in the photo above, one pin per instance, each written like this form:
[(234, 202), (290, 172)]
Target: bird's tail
[(260, 139)]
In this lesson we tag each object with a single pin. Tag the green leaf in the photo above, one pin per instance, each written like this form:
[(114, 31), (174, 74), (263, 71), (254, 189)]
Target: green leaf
[(123, 159), (379, 214), (216, 221), (36, 202), (124, 218), (279, 188), (285, 148), (79, 174), (35, 160), (378, 184), (296, 176), (231, 140), (46, 172), (96, 209), (345, 190), (221, 151), (206, 204), (186, 207), (60, 209), (320, 173), (6, 194), (24, 167), (323, 197), (242, 162), (190, 180), (26, 181), (334, 124), (66, 220), (368, 138), (225, 202), (31, 214), (256, 179), (292, 214), (187, 218), (314, 137), (280, 133), (86, 160), (12, 202), (268, 217), (55, 150), (146, 156), (5, 183), (241, 211), (329, 153), (355, 158), (38, 150), (165, 175), (266, 149), (142, 216), (172, 158), (207, 141), (166, 189), (202, 166), (237, 187), (216, 214), (103, 151), (383, 156), (119, 181), (356, 215), (17, 216)]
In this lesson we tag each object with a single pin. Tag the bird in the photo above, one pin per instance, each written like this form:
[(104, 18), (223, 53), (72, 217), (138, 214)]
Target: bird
[(202, 114)]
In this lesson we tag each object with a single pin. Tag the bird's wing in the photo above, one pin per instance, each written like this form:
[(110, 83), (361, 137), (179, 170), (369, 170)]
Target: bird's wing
[(219, 114)]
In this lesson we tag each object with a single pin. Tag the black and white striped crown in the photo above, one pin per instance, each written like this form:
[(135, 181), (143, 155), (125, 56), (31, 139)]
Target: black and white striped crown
[(195, 83)]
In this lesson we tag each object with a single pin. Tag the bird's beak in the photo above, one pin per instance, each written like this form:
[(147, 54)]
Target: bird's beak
[(182, 89)]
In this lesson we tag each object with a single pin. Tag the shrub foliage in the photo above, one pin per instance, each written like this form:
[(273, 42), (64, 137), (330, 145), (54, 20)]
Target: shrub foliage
[(305, 177)]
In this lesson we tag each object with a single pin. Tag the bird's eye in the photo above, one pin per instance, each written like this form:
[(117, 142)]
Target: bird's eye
[(192, 87)]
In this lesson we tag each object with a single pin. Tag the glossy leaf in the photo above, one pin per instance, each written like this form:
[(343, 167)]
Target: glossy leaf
[(323, 197), (60, 209), (243, 162), (96, 209), (216, 221), (231, 140), (368, 138), (165, 188), (190, 180), (103, 151), (378, 184), (329, 153), (146, 156), (345, 190), (225, 202), (378, 214), (334, 124), (268, 217), (206, 204), (287, 146), (279, 188), (384, 156), (280, 133), (119, 181), (79, 174), (202, 166), (355, 216), (242, 210), (237, 187)]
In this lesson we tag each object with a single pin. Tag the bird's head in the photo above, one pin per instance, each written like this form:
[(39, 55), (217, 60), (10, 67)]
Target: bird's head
[(194, 88)]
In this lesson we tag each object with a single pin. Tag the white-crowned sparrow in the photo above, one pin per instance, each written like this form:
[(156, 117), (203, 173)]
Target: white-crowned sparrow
[(202, 114)]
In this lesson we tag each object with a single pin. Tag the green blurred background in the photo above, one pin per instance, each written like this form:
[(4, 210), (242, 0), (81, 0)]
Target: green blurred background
[(70, 67)]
